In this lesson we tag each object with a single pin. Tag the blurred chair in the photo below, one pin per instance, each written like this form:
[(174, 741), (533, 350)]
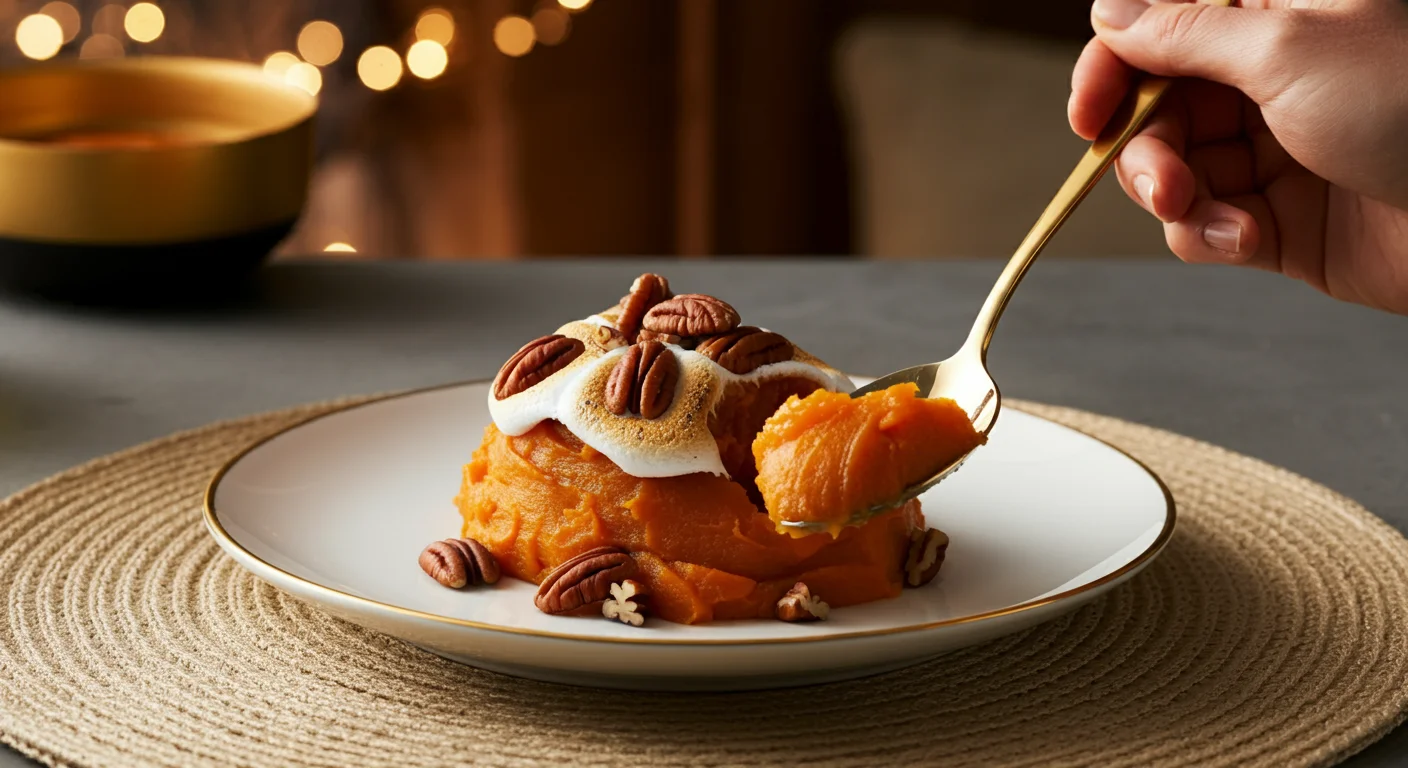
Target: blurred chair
[(959, 139)]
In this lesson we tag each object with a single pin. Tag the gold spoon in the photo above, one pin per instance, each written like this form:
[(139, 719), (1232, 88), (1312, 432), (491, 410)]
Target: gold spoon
[(964, 378)]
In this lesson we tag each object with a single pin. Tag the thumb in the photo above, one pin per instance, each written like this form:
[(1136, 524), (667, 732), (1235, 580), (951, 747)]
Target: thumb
[(1244, 48)]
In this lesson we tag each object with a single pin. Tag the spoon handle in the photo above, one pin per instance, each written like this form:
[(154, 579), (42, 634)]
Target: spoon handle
[(1122, 126)]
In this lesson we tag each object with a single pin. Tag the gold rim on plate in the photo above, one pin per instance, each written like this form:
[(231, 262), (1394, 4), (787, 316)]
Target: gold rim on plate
[(264, 569)]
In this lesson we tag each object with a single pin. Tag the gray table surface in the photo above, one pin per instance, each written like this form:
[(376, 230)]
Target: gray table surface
[(1251, 361)]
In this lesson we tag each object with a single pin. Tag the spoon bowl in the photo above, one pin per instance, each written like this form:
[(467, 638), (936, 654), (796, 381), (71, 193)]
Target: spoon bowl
[(963, 379)]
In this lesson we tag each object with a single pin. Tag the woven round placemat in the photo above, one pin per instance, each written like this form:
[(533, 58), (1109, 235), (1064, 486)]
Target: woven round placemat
[(1270, 632)]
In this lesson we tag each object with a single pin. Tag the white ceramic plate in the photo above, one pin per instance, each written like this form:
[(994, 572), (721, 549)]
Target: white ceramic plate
[(336, 511)]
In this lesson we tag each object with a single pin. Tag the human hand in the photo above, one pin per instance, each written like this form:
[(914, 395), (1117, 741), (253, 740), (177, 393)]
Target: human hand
[(1288, 148)]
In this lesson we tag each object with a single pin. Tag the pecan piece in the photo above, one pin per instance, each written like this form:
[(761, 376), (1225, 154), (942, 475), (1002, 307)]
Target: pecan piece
[(627, 603), (608, 338), (746, 349), (691, 314), (535, 361), (926, 555), (648, 290), (582, 583), (460, 562), (643, 381), (799, 604)]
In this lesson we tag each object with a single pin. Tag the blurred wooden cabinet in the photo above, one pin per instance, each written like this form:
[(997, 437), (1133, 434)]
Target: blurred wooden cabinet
[(660, 126), (711, 126)]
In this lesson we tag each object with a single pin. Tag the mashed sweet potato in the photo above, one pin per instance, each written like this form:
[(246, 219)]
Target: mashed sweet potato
[(705, 549), (823, 457)]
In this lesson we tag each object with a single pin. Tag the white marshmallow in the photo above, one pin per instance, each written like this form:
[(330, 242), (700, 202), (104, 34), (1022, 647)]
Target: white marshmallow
[(678, 442)]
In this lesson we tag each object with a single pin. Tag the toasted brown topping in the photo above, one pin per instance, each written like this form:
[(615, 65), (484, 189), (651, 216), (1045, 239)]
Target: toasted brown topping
[(691, 314), (460, 562), (926, 556), (643, 381), (535, 361), (799, 604), (746, 349), (647, 291), (582, 583)]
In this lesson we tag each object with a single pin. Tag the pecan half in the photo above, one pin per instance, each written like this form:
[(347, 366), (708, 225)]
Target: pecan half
[(535, 361), (799, 604), (460, 562), (691, 314), (926, 555), (664, 338), (582, 583), (648, 290), (746, 349), (643, 381)]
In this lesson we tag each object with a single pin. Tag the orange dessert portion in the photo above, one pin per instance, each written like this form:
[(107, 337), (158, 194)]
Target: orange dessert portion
[(704, 548), (636, 433), (823, 457)]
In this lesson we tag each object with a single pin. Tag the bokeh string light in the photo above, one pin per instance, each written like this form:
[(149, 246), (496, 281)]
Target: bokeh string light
[(39, 37), (67, 16), (109, 20), (305, 76), (427, 59), (320, 42), (379, 68), (551, 25), (436, 24), (101, 46), (144, 22), (574, 5), (514, 36), (278, 63)]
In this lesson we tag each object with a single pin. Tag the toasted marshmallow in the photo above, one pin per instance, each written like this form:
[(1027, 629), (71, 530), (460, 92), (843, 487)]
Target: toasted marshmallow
[(678, 442)]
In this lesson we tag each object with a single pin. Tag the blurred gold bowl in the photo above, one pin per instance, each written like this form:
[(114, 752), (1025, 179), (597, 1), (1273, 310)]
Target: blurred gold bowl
[(147, 175)]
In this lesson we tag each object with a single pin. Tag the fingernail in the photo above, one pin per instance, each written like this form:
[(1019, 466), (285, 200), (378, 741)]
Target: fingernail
[(1119, 13), (1224, 235), (1144, 187)]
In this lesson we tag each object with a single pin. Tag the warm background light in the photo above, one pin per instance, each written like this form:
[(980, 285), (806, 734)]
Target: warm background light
[(338, 248), (320, 42), (67, 16), (427, 59), (436, 24), (39, 36), (379, 68), (101, 46), (514, 35), (306, 76), (144, 22), (551, 25), (109, 20), (278, 63), (574, 5)]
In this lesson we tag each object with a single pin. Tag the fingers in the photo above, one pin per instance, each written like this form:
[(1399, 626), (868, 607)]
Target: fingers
[(1151, 168), (1155, 177), (1252, 50), (1225, 168), (1098, 83), (1217, 232)]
